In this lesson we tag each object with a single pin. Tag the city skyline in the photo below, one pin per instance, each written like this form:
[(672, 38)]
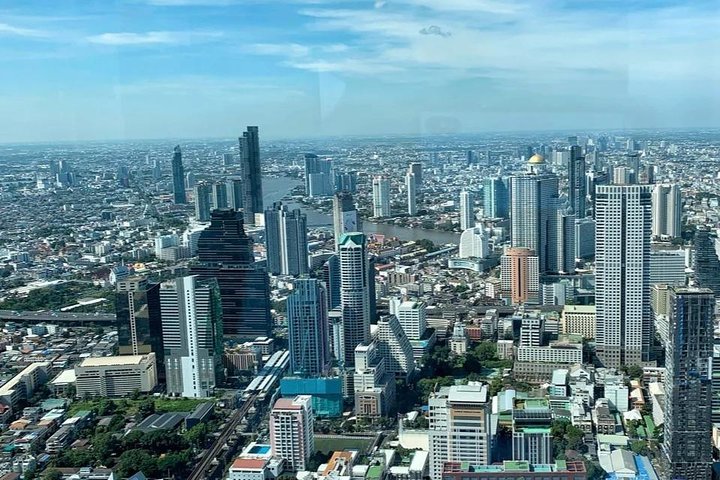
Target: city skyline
[(169, 68)]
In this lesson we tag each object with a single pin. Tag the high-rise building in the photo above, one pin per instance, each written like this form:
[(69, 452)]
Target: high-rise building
[(531, 426), (219, 195), (286, 240), (202, 202), (234, 193), (139, 322), (192, 336), (706, 265), (291, 431), (533, 212), (416, 169), (688, 384), (496, 201), (308, 334), (467, 210), (331, 276), (373, 385), (319, 179), (576, 181), (227, 159), (346, 182), (251, 174), (410, 187), (584, 238), (311, 166), (381, 197), (666, 211), (345, 215), (519, 276), (225, 252), (565, 256), (622, 275), (354, 292), (459, 424), (178, 174), (474, 243), (395, 347), (412, 316)]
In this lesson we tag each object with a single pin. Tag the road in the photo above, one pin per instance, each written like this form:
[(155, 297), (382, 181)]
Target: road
[(201, 470)]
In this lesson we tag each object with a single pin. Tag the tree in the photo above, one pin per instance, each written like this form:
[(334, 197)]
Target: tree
[(197, 435), (640, 447), (486, 351), (566, 436), (146, 407), (136, 460), (104, 445), (52, 474)]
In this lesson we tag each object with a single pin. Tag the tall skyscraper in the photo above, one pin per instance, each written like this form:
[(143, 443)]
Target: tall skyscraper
[(533, 212), (410, 187), (395, 347), (576, 181), (308, 334), (139, 322), (416, 169), (666, 211), (412, 316), (496, 199), (565, 256), (706, 264), (467, 210), (178, 173), (354, 292), (251, 174), (688, 384), (291, 430), (319, 179), (235, 193), (622, 275), (331, 276), (345, 215), (225, 252), (381, 197), (346, 182), (219, 195), (202, 202), (311, 166), (192, 336), (473, 243), (519, 276), (286, 240)]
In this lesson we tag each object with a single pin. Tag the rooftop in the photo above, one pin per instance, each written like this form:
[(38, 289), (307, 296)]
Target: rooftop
[(115, 360)]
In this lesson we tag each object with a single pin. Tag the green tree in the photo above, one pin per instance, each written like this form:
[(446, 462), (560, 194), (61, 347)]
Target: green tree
[(640, 447), (52, 474), (197, 435), (486, 351), (136, 460), (104, 445), (146, 407)]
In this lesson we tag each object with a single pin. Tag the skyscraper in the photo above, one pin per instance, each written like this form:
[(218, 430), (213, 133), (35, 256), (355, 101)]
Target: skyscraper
[(225, 252), (467, 210), (381, 197), (354, 292), (219, 195), (308, 334), (251, 174), (286, 240), (178, 173), (576, 181), (519, 276), (291, 430), (311, 166), (192, 336), (412, 317), (234, 193), (202, 202), (565, 256), (622, 275), (345, 215), (533, 212), (416, 169), (496, 199), (688, 384), (410, 187), (395, 347), (666, 211), (473, 243), (706, 264), (319, 179)]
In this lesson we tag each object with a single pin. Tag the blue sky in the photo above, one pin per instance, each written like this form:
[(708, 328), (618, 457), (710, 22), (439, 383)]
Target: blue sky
[(104, 69)]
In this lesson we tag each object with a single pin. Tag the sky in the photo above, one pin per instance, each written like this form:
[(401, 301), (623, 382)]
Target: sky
[(116, 69)]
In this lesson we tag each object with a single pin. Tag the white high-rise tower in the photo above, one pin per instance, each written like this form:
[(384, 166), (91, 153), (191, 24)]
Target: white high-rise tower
[(381, 197), (666, 211), (354, 292), (411, 187), (467, 210)]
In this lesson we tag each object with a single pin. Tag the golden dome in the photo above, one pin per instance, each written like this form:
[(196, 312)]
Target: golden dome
[(536, 159)]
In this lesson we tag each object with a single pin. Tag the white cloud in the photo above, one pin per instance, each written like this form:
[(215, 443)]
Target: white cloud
[(152, 38), (6, 29), (281, 49)]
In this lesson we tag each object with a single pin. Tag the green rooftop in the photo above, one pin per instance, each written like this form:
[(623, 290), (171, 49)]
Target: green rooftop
[(374, 472)]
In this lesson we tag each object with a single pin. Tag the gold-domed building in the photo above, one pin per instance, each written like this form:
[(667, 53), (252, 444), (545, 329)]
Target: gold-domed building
[(536, 159)]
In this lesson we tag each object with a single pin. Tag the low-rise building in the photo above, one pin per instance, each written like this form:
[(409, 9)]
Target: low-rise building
[(560, 470), (116, 376)]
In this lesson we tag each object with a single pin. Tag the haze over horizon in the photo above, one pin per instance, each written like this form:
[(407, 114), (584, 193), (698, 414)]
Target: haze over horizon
[(205, 68)]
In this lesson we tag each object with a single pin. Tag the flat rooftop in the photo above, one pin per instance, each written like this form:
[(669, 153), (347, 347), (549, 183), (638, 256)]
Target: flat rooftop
[(113, 361)]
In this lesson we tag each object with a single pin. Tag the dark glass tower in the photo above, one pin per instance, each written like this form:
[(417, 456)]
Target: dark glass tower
[(286, 240), (251, 174), (225, 252), (688, 385), (576, 181), (705, 261), (178, 172)]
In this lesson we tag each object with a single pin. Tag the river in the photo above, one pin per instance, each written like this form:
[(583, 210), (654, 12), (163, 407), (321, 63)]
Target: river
[(275, 188)]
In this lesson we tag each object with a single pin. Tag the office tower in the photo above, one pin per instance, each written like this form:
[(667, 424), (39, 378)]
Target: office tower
[(139, 322), (412, 316), (234, 193), (716, 384), (532, 431), (576, 182), (706, 265), (565, 255), (632, 161), (192, 336), (666, 211), (178, 172), (311, 166), (416, 169), (584, 238), (668, 266), (372, 384), (308, 334), (345, 216), (157, 170), (474, 243), (190, 180), (519, 276), (622, 275), (291, 431), (381, 197), (225, 252), (227, 159), (286, 240), (202, 202), (354, 292), (688, 384), (395, 347), (330, 274), (459, 424), (533, 212), (467, 210), (622, 176), (219, 195), (251, 174), (372, 288), (496, 199), (346, 182), (319, 178), (410, 187)]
